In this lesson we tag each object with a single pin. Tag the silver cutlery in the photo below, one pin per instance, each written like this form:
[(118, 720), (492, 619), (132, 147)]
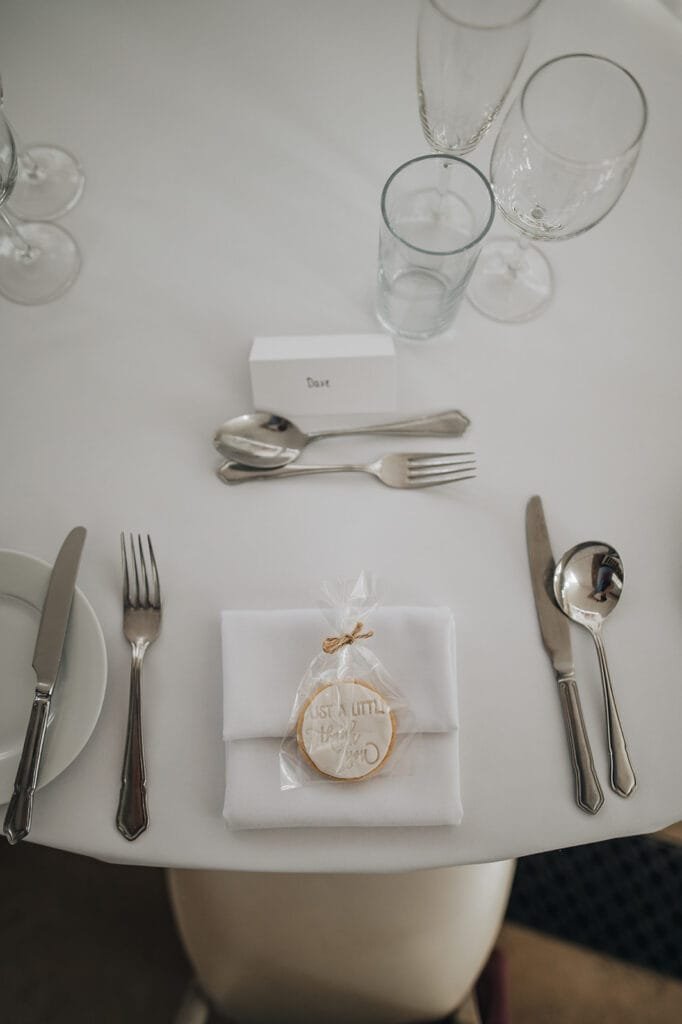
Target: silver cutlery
[(588, 581), (406, 471), (265, 440), (557, 642), (47, 657), (141, 626)]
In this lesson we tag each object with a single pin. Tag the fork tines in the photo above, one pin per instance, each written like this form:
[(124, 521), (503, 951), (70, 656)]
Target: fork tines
[(424, 469), (137, 592)]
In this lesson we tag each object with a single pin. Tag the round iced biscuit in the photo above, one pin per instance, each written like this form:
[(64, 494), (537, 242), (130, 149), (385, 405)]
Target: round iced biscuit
[(346, 730)]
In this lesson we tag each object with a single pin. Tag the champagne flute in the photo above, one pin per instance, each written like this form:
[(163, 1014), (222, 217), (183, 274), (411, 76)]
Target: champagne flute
[(38, 261), (468, 54), (49, 179), (563, 156)]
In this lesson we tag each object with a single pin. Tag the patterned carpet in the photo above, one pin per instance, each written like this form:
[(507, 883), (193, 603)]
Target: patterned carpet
[(622, 898)]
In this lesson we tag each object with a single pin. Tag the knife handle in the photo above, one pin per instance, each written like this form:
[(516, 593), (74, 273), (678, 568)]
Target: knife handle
[(588, 792), (18, 817)]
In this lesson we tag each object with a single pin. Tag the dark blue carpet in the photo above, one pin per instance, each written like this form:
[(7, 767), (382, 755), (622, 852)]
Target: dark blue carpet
[(623, 898)]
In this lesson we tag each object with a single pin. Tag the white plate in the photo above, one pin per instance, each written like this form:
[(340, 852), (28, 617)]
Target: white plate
[(79, 693)]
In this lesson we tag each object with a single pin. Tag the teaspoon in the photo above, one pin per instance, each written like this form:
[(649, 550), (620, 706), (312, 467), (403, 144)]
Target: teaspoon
[(588, 581), (265, 440)]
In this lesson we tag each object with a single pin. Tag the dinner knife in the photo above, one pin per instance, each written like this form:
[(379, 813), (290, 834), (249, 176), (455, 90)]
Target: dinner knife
[(557, 642), (46, 660)]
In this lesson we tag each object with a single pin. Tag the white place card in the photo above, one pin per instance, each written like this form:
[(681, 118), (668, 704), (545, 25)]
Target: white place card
[(324, 374)]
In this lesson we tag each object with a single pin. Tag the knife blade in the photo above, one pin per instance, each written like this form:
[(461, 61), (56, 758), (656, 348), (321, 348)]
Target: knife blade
[(556, 639), (47, 657)]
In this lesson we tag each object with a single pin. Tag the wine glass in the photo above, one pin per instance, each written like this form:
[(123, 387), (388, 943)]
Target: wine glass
[(38, 261), (468, 54), (49, 180), (563, 156)]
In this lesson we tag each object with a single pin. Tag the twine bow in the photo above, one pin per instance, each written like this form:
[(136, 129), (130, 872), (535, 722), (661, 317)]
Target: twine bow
[(334, 643)]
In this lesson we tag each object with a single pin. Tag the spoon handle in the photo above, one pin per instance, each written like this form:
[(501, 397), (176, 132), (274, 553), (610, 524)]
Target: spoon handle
[(623, 779), (444, 424)]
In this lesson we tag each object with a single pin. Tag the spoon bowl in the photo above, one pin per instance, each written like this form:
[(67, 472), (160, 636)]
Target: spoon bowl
[(265, 440), (261, 439), (588, 582)]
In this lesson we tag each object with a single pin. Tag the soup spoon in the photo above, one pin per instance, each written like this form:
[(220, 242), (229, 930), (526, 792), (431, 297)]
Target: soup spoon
[(265, 440), (588, 581)]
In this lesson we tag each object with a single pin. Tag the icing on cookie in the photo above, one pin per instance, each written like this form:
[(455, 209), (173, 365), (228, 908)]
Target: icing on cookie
[(346, 730)]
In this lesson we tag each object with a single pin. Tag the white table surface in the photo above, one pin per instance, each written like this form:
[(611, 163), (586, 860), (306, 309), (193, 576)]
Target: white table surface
[(235, 153)]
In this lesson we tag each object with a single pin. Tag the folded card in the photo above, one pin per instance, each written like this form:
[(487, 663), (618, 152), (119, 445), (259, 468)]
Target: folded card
[(320, 375)]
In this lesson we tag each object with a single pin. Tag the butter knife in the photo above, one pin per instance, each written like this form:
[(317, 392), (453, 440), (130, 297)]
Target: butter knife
[(46, 660), (557, 642)]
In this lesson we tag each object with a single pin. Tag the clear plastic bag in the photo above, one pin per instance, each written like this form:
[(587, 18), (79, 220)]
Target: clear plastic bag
[(349, 721)]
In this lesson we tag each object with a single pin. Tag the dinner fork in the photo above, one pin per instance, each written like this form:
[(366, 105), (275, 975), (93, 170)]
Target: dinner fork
[(141, 626), (396, 470)]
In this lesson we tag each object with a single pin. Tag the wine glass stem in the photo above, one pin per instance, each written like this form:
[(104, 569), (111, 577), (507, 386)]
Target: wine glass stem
[(22, 249), (29, 165), (517, 260), (443, 179)]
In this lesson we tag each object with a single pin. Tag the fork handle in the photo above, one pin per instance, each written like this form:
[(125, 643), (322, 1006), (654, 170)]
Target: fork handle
[(132, 817), (234, 473)]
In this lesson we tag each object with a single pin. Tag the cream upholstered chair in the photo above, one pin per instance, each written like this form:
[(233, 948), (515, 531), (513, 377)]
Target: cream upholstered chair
[(332, 948)]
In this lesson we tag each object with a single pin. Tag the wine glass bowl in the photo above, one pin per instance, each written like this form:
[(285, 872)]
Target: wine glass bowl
[(557, 176), (564, 154), (468, 54)]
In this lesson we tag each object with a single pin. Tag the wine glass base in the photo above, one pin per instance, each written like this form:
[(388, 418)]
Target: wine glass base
[(511, 283), (50, 181), (45, 271)]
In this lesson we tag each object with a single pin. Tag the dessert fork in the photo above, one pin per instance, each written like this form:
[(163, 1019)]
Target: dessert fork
[(141, 626), (407, 470)]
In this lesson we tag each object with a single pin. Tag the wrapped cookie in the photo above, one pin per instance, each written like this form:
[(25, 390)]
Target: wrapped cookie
[(349, 721)]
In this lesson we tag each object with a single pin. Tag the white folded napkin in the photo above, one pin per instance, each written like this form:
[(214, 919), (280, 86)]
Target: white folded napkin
[(265, 655)]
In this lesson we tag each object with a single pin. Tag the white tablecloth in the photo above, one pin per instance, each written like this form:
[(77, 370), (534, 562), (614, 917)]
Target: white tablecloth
[(234, 155)]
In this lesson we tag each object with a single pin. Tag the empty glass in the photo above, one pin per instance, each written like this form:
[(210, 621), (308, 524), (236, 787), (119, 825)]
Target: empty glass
[(38, 261), (564, 154), (49, 180), (468, 53), (436, 211)]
